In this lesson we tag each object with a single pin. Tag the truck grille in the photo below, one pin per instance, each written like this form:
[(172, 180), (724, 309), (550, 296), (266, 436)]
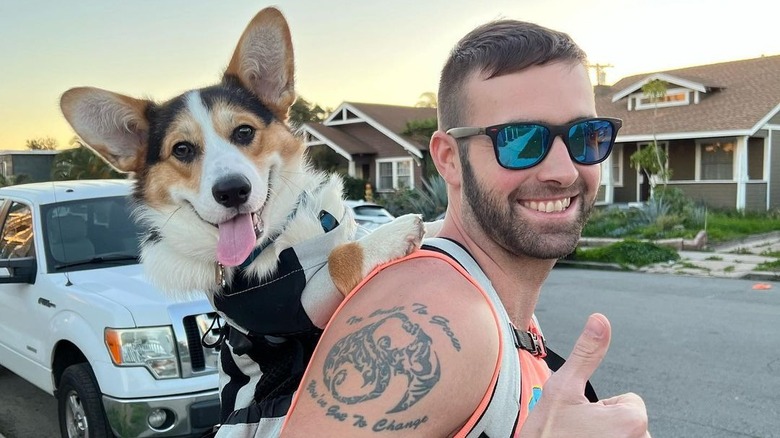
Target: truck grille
[(196, 330)]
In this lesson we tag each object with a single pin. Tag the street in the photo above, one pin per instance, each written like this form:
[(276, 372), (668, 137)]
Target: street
[(704, 353)]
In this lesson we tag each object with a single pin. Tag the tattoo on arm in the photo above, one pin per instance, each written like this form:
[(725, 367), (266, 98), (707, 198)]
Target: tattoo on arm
[(374, 355)]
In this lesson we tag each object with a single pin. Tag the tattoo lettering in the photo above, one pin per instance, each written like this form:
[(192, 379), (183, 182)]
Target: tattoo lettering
[(335, 412), (420, 309), (359, 366), (445, 324), (392, 426), (354, 320), (386, 311)]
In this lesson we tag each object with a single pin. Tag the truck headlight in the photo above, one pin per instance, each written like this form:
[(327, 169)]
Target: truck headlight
[(150, 347)]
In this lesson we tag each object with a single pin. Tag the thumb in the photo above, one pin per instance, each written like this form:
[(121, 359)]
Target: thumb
[(590, 349)]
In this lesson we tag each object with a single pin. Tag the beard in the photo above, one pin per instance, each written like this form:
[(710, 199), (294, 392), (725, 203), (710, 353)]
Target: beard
[(499, 219)]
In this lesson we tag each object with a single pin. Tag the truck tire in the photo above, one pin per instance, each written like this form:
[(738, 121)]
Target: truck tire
[(79, 406)]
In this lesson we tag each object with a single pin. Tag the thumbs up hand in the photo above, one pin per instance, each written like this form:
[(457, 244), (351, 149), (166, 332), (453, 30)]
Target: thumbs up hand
[(563, 410)]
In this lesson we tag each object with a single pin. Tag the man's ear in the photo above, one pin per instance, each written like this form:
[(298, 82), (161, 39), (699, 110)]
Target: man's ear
[(444, 153), (112, 125)]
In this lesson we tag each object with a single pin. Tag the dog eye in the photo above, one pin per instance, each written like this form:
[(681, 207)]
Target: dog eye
[(184, 151), (243, 135)]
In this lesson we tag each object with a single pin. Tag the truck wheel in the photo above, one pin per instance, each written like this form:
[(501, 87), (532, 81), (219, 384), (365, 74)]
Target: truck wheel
[(80, 408)]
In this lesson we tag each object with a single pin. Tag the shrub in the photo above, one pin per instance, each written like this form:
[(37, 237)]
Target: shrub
[(354, 188), (628, 253), (432, 198), (398, 202)]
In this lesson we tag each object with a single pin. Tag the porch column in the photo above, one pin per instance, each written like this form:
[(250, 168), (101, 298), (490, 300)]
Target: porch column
[(741, 155), (606, 175), (351, 168), (768, 168)]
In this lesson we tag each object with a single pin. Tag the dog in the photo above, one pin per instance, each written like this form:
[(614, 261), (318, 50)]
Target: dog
[(234, 208)]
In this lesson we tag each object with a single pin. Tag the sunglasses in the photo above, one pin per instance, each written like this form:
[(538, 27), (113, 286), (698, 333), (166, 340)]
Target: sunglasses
[(524, 145)]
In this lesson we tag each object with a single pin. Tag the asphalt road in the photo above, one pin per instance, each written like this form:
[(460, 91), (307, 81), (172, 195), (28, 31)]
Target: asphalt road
[(704, 353)]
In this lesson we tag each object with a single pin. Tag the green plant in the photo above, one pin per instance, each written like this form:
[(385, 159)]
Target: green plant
[(628, 253), (354, 188), (773, 266), (398, 202), (432, 198)]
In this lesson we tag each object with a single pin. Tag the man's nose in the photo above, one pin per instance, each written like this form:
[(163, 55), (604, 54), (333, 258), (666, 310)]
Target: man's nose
[(558, 165)]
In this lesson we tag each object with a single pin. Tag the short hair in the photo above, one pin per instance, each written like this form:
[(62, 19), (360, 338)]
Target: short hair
[(496, 49)]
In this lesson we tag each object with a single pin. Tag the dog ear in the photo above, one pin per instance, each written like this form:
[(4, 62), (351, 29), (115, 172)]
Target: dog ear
[(112, 125), (263, 61)]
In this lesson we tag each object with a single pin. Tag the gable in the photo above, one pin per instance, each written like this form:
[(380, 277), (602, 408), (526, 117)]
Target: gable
[(731, 98)]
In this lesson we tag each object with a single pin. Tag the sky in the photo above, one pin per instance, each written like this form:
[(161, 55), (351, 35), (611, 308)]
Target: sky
[(357, 51)]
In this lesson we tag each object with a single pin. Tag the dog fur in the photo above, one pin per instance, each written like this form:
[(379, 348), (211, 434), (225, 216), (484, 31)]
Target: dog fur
[(222, 155)]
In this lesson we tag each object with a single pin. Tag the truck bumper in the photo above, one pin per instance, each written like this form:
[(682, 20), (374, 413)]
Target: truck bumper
[(187, 415)]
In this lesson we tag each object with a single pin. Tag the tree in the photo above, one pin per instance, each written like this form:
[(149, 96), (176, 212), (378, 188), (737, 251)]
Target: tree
[(427, 100), (11, 180), (81, 163), (652, 159), (421, 132), (303, 111), (42, 144)]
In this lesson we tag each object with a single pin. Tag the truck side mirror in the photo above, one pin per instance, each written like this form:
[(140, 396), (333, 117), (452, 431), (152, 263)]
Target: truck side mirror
[(18, 270)]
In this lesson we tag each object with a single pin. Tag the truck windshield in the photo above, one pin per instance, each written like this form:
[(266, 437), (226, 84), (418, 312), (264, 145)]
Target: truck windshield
[(90, 234)]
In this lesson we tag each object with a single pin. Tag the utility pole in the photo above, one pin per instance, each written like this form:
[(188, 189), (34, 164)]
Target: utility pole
[(601, 74)]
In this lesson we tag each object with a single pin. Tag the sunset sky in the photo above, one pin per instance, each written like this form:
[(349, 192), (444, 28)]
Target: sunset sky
[(360, 51)]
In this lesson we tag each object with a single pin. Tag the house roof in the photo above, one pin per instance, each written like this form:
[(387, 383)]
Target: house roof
[(364, 128), (739, 97)]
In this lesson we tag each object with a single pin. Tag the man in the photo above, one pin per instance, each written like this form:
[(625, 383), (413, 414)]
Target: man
[(427, 346)]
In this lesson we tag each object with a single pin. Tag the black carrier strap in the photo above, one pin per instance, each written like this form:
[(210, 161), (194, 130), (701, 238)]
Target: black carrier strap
[(554, 361)]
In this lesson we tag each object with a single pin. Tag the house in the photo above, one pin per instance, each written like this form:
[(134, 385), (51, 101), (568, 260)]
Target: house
[(35, 164), (720, 127), (370, 140)]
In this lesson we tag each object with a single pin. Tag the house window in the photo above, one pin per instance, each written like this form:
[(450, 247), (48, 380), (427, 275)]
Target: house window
[(617, 166), (394, 174), (717, 159), (673, 97)]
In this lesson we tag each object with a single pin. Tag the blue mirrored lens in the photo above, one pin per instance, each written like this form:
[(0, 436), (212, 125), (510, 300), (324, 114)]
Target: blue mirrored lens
[(521, 146), (589, 141)]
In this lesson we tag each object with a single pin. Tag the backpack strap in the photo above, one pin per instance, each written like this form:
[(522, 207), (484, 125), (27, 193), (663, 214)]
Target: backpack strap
[(522, 339)]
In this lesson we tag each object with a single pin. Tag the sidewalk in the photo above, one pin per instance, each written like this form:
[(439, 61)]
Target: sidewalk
[(731, 260)]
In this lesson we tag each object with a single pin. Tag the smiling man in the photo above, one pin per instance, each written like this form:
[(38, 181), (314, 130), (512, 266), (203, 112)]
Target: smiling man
[(519, 145)]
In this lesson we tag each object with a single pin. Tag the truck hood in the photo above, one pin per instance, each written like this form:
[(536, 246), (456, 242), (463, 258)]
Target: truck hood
[(128, 287)]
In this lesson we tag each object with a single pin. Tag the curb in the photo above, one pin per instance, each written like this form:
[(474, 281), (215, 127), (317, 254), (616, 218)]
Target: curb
[(562, 263)]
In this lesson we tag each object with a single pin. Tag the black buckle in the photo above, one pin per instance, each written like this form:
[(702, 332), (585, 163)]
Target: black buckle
[(529, 342)]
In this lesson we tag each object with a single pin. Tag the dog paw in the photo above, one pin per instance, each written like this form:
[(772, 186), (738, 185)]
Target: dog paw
[(395, 239)]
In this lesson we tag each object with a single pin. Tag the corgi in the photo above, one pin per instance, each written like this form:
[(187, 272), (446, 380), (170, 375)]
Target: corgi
[(225, 189)]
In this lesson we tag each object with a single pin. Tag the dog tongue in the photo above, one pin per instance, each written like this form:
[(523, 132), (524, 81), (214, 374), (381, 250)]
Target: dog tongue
[(236, 240)]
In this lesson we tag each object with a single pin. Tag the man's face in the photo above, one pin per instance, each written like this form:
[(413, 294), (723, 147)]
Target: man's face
[(537, 212)]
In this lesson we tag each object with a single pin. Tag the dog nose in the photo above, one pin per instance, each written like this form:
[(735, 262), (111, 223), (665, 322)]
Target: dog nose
[(232, 191)]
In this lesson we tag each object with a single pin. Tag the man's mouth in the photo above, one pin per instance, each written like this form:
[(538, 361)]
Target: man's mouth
[(550, 206)]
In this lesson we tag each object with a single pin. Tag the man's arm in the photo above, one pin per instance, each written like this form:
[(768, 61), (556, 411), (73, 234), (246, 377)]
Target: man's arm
[(411, 354)]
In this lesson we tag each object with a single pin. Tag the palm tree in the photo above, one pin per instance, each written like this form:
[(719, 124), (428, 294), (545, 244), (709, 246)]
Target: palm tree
[(11, 180), (427, 100), (81, 163)]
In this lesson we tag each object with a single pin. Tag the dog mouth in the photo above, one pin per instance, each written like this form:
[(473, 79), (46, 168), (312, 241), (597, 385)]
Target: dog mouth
[(237, 238)]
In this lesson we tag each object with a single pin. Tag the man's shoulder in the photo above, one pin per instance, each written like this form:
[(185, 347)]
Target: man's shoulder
[(413, 350)]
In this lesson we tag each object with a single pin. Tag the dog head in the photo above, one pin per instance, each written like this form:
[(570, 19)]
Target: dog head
[(213, 165)]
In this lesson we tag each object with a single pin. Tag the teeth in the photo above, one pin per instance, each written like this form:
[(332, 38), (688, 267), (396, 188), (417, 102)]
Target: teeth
[(549, 206)]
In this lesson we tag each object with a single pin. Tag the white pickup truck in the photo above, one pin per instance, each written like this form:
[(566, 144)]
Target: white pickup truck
[(79, 320)]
